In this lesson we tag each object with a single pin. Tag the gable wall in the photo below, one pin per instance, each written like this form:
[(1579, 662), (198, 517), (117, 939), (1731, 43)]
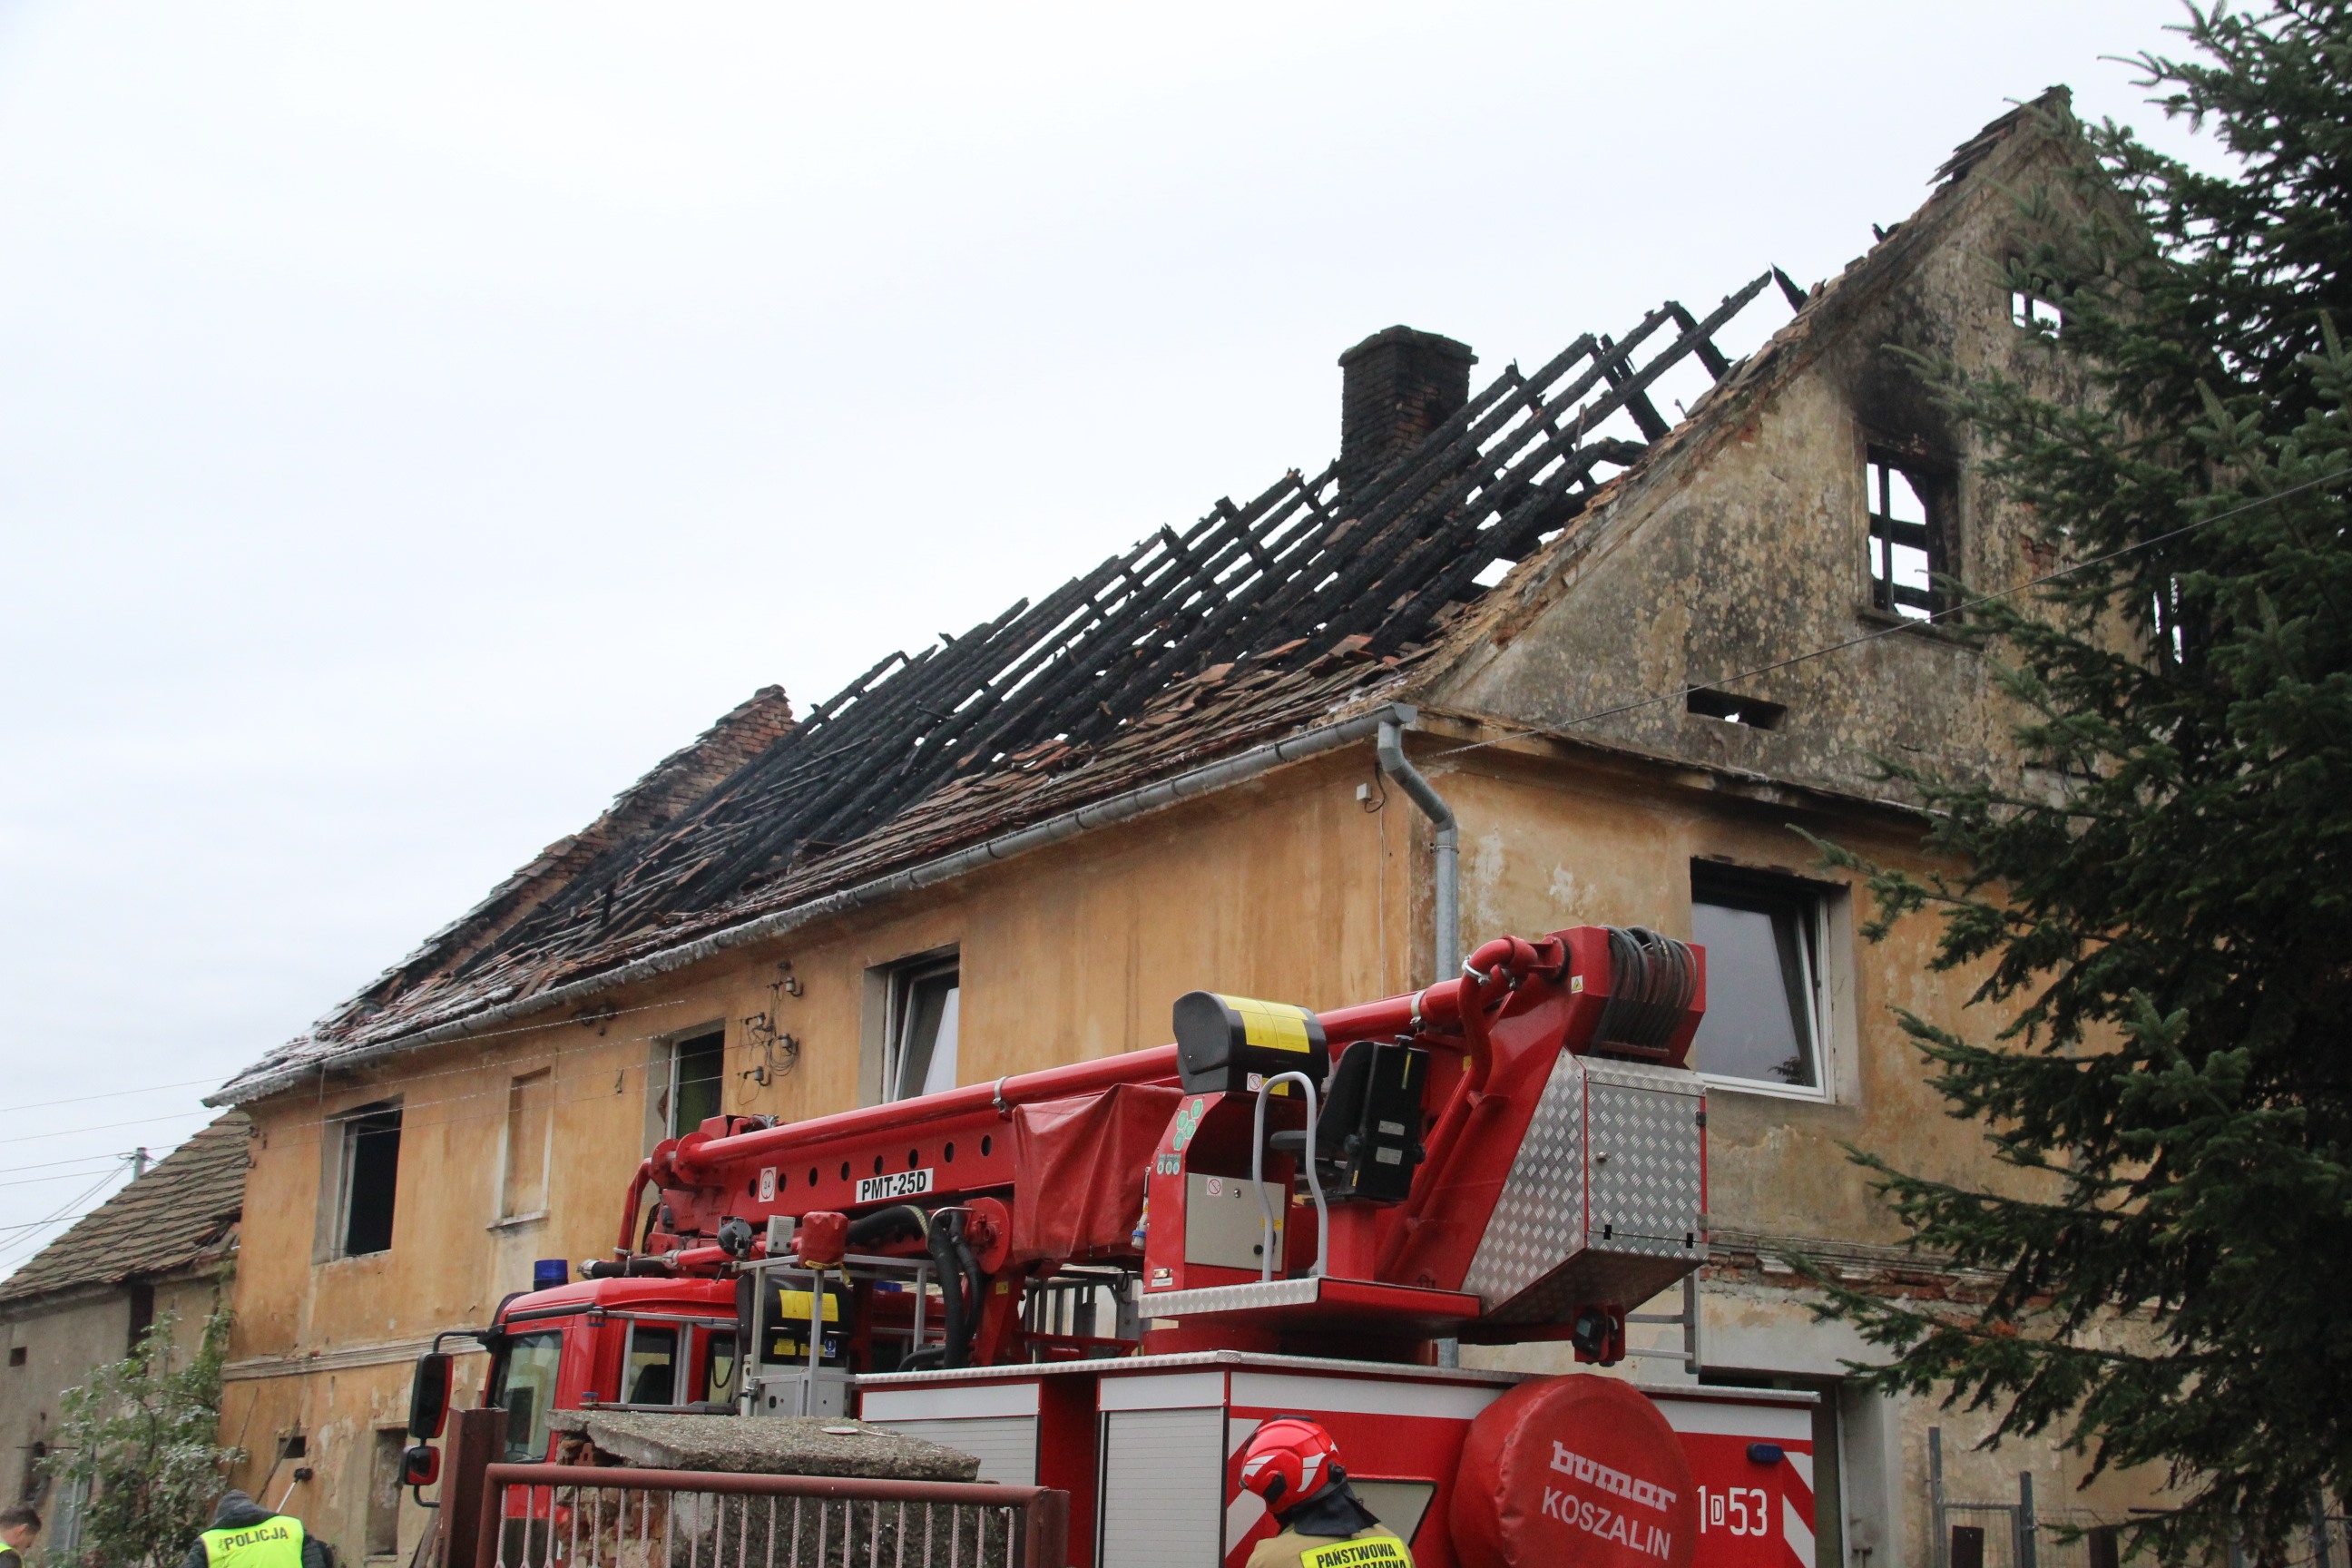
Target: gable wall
[(1749, 544)]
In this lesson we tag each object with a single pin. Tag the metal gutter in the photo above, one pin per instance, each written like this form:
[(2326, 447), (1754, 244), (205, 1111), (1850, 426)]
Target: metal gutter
[(1122, 807)]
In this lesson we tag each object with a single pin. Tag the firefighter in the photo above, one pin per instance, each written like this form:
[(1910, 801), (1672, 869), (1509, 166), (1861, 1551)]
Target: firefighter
[(244, 1535), (1293, 1464), (19, 1526)]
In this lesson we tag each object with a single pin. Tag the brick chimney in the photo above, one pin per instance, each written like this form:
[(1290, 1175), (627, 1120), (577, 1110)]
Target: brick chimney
[(1395, 387)]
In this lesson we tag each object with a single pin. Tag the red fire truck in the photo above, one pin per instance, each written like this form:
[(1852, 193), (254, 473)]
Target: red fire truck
[(1101, 1278)]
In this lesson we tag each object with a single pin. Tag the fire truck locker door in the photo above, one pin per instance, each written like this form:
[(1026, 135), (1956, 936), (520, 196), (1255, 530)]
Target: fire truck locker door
[(1645, 1136), (996, 1423), (1163, 1476)]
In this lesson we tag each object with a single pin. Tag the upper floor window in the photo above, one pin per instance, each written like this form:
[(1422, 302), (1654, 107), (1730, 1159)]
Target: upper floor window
[(697, 1067), (1907, 538), (919, 1054), (1766, 1007), (369, 1178)]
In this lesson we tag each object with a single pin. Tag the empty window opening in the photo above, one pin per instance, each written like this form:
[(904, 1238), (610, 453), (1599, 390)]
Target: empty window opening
[(2034, 314), (1752, 711), (1905, 548), (926, 1007), (371, 1179), (16, 1355), (384, 1492), (696, 1068), (1764, 1012), (529, 1144)]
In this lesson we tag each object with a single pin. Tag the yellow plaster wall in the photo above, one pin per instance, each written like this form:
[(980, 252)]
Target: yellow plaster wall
[(1287, 887)]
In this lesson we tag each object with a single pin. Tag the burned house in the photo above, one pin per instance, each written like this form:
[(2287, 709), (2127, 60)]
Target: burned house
[(1576, 641)]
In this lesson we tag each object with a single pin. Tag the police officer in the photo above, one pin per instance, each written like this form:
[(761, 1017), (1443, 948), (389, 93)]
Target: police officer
[(244, 1535), (1293, 1464), (19, 1527)]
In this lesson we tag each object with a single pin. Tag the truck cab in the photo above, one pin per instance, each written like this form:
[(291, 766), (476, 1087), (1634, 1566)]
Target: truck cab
[(619, 1344)]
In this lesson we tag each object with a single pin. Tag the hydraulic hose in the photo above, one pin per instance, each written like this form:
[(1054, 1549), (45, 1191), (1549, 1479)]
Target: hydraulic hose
[(946, 1232), (901, 1222), (978, 1283)]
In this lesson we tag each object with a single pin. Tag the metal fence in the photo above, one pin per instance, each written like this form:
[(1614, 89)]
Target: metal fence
[(2024, 1534), (582, 1516)]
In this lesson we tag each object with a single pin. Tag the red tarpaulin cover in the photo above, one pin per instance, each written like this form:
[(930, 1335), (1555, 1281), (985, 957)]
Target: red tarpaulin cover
[(1081, 1165)]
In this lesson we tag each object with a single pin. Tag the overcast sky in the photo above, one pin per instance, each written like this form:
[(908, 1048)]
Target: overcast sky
[(417, 420)]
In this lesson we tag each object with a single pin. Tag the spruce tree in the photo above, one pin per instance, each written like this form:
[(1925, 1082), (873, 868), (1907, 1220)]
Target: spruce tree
[(2162, 908)]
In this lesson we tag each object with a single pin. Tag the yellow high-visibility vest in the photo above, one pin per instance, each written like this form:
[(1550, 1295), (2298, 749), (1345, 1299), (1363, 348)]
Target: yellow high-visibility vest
[(273, 1543)]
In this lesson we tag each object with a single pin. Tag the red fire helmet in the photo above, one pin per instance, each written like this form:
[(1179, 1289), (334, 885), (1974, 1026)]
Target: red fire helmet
[(1288, 1460)]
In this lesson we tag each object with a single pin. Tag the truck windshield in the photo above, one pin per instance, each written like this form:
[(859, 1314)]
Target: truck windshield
[(527, 1389)]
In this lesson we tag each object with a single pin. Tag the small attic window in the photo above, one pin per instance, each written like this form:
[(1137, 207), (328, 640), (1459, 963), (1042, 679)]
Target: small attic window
[(1752, 711), (2031, 313)]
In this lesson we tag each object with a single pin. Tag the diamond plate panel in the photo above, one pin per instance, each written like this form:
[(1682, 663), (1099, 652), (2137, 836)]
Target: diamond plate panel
[(1539, 1218), (1644, 1158)]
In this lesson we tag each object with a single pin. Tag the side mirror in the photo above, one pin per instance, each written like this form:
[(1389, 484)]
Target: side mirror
[(428, 1394), (420, 1465)]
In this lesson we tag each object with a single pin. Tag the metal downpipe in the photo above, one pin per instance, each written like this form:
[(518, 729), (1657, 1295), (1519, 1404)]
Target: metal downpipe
[(1446, 848), (1446, 852)]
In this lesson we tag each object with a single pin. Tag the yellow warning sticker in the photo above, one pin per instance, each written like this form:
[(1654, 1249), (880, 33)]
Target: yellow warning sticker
[(1378, 1549), (1271, 1025)]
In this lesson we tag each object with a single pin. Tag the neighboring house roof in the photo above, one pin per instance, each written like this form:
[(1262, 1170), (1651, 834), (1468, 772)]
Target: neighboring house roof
[(1309, 601), (182, 1214)]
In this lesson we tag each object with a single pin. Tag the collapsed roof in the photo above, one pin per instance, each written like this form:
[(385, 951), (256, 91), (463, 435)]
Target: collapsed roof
[(1316, 596), (1258, 615)]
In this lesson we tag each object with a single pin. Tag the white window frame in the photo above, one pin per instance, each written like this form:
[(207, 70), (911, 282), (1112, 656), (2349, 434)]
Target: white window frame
[(1821, 1007), (903, 977)]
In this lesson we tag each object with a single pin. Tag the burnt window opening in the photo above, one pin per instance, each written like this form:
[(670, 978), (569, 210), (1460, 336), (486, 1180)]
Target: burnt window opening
[(2030, 313), (1908, 551), (370, 1171), (1752, 711)]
